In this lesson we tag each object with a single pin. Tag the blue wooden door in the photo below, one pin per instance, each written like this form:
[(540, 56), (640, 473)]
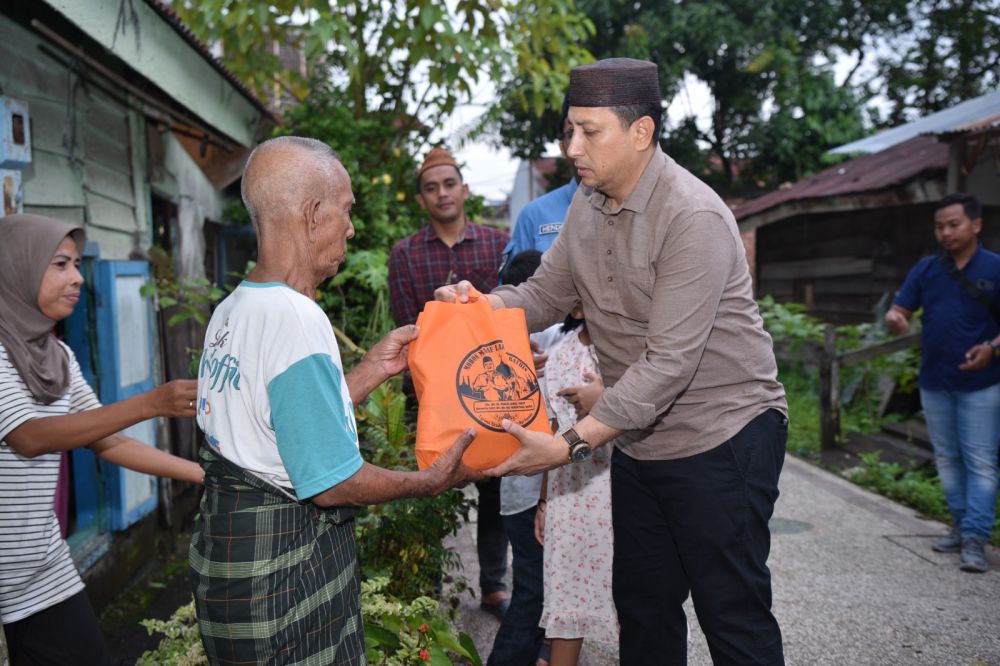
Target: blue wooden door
[(126, 352), (88, 542)]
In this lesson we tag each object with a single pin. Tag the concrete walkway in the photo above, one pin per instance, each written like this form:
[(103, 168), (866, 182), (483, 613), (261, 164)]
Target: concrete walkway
[(855, 582)]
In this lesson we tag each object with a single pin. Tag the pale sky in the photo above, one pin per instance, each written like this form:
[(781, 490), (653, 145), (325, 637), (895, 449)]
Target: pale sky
[(490, 172)]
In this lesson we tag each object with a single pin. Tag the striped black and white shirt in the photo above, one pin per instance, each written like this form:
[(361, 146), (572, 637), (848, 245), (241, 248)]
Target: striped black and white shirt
[(36, 571)]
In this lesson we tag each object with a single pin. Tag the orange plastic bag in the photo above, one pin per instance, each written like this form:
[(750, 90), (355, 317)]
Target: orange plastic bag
[(472, 366)]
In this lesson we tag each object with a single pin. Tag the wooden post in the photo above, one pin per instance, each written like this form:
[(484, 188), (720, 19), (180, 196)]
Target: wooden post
[(829, 391)]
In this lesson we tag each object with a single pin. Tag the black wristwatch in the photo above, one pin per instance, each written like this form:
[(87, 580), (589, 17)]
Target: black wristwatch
[(579, 448), (995, 347)]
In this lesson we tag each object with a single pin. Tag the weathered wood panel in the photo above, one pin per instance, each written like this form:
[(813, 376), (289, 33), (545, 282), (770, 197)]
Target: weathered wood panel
[(854, 286), (26, 68), (110, 183), (114, 244), (816, 268), (48, 124), (111, 216), (106, 135), (70, 215), (51, 180)]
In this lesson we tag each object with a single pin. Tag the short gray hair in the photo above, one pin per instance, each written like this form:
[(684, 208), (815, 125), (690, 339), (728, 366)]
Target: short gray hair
[(252, 190)]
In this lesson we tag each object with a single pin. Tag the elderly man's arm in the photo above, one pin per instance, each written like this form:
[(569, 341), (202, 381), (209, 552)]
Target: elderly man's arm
[(372, 484), (385, 359)]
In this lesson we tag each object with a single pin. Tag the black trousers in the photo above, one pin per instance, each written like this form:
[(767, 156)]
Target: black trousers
[(66, 634), (491, 539), (519, 637), (698, 526)]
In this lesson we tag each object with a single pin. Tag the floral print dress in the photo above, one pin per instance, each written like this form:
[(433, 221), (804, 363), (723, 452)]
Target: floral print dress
[(578, 536)]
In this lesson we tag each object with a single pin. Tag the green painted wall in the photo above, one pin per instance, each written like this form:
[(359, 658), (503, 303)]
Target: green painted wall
[(86, 164), (154, 49)]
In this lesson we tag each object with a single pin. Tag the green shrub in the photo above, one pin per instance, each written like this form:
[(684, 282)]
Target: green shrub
[(397, 633), (182, 643), (403, 539), (916, 487)]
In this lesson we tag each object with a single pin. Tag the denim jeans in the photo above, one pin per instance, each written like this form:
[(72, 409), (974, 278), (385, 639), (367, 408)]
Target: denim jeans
[(519, 638), (698, 526), (965, 432)]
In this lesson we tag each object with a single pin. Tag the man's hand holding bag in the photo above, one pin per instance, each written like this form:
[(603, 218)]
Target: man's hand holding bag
[(472, 366)]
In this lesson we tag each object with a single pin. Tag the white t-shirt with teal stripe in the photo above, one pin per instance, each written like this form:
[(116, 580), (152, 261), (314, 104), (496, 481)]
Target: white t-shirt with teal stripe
[(271, 391)]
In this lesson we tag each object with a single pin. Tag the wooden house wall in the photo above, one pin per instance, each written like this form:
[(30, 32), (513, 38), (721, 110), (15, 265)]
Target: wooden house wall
[(843, 264), (87, 146)]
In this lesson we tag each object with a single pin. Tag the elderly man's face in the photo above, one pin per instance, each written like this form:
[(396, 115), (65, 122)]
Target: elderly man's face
[(443, 194), (603, 151), (334, 218)]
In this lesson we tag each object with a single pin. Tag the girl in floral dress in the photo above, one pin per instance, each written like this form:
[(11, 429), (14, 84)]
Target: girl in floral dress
[(574, 517)]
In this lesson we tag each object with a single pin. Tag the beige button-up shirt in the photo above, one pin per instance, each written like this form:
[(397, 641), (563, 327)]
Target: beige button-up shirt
[(667, 297)]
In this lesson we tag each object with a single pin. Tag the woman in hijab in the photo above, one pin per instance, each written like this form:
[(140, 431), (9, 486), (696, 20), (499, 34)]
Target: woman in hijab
[(46, 407)]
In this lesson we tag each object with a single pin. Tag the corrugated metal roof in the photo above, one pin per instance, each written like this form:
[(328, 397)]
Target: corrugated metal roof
[(170, 16), (978, 113), (862, 174)]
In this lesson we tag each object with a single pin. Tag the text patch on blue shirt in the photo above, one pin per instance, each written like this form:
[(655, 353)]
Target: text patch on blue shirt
[(314, 425)]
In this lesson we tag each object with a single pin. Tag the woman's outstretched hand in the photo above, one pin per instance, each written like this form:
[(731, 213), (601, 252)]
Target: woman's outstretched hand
[(175, 398)]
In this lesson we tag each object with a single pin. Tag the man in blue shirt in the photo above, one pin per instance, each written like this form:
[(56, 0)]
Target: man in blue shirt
[(539, 221), (959, 291)]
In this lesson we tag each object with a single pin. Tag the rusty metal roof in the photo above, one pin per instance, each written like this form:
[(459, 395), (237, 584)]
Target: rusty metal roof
[(876, 171), (978, 113), (171, 17)]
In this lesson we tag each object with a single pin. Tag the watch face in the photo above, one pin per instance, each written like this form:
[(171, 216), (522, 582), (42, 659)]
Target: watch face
[(580, 452)]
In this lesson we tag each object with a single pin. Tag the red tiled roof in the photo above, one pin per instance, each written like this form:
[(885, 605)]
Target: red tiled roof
[(171, 17), (876, 171)]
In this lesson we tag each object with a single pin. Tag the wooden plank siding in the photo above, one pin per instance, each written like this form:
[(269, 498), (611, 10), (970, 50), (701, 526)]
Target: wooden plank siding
[(842, 265), (83, 164)]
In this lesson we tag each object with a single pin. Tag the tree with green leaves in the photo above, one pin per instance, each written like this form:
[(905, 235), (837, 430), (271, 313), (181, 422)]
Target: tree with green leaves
[(412, 59), (776, 108), (383, 76), (941, 53)]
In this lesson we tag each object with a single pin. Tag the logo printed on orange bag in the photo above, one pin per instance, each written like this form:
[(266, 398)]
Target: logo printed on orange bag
[(494, 385)]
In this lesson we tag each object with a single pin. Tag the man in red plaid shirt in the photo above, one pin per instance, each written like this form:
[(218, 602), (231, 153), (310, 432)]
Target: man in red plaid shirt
[(449, 249)]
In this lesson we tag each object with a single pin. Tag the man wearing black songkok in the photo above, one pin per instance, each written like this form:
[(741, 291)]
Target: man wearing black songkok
[(693, 406)]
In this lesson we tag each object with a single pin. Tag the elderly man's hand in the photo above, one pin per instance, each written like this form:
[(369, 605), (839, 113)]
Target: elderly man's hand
[(454, 293), (448, 471), (389, 353), (539, 452)]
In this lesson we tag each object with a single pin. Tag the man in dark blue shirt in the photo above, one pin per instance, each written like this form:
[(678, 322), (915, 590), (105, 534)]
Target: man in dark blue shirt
[(959, 291)]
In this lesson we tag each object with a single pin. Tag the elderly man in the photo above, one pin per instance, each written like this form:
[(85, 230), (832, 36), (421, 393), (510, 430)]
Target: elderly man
[(693, 405), (273, 560)]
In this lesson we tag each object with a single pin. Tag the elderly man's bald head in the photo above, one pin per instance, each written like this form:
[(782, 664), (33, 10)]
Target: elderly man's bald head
[(282, 173)]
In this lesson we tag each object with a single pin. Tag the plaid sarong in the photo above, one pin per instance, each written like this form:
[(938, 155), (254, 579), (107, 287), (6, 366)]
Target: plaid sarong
[(275, 580)]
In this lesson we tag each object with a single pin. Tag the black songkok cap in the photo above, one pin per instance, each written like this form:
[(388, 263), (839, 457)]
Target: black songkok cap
[(614, 82)]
